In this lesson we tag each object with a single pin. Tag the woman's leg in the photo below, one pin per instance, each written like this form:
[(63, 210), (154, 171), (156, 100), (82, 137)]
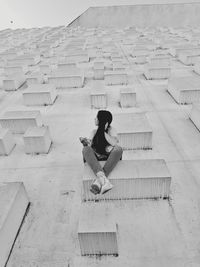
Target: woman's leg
[(114, 157), (90, 158)]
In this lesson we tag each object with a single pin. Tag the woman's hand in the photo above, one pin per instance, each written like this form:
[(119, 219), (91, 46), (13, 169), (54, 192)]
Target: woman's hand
[(85, 141)]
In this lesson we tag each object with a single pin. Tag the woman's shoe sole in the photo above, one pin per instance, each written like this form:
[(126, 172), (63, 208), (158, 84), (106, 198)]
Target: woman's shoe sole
[(106, 191), (95, 189)]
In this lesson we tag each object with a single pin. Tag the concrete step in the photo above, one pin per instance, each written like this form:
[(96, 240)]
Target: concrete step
[(7, 142), (98, 74), (134, 130), (40, 94), (11, 70), (45, 68), (189, 59), (189, 48), (97, 232), (29, 60), (35, 78), (155, 72), (13, 82), (98, 99), (63, 80), (19, 121), (118, 66), (66, 66), (196, 68), (195, 115), (185, 90), (140, 59), (115, 77), (132, 179), (160, 60), (13, 205), (37, 140), (127, 98), (79, 58)]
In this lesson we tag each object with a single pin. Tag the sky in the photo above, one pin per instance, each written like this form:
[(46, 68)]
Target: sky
[(40, 13)]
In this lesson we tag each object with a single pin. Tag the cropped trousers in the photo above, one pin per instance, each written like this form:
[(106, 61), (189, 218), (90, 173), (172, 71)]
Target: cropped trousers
[(90, 157)]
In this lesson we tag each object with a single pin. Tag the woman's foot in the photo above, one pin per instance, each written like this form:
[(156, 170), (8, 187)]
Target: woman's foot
[(106, 187), (95, 187), (98, 182), (105, 183), (101, 185)]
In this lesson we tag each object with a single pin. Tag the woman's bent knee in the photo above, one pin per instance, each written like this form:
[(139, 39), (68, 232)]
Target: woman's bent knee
[(86, 149), (118, 149)]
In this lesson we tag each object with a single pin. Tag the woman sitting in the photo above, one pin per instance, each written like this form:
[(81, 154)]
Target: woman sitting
[(102, 145)]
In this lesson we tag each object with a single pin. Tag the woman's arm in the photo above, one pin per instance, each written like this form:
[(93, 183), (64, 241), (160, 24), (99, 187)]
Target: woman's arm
[(91, 137), (111, 137), (87, 141)]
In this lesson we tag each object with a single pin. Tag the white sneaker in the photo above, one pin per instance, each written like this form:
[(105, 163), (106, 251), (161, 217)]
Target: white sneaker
[(106, 187), (98, 182), (101, 177)]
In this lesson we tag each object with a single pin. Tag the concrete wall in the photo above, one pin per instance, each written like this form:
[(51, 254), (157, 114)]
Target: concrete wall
[(175, 15)]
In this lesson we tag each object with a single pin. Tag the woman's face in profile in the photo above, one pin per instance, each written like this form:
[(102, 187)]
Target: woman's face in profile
[(96, 121)]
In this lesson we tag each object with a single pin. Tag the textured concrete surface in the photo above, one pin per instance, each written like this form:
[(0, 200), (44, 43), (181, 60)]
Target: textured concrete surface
[(151, 233), (174, 15), (13, 206)]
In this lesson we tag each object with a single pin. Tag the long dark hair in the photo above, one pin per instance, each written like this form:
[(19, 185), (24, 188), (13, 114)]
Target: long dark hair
[(99, 142)]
